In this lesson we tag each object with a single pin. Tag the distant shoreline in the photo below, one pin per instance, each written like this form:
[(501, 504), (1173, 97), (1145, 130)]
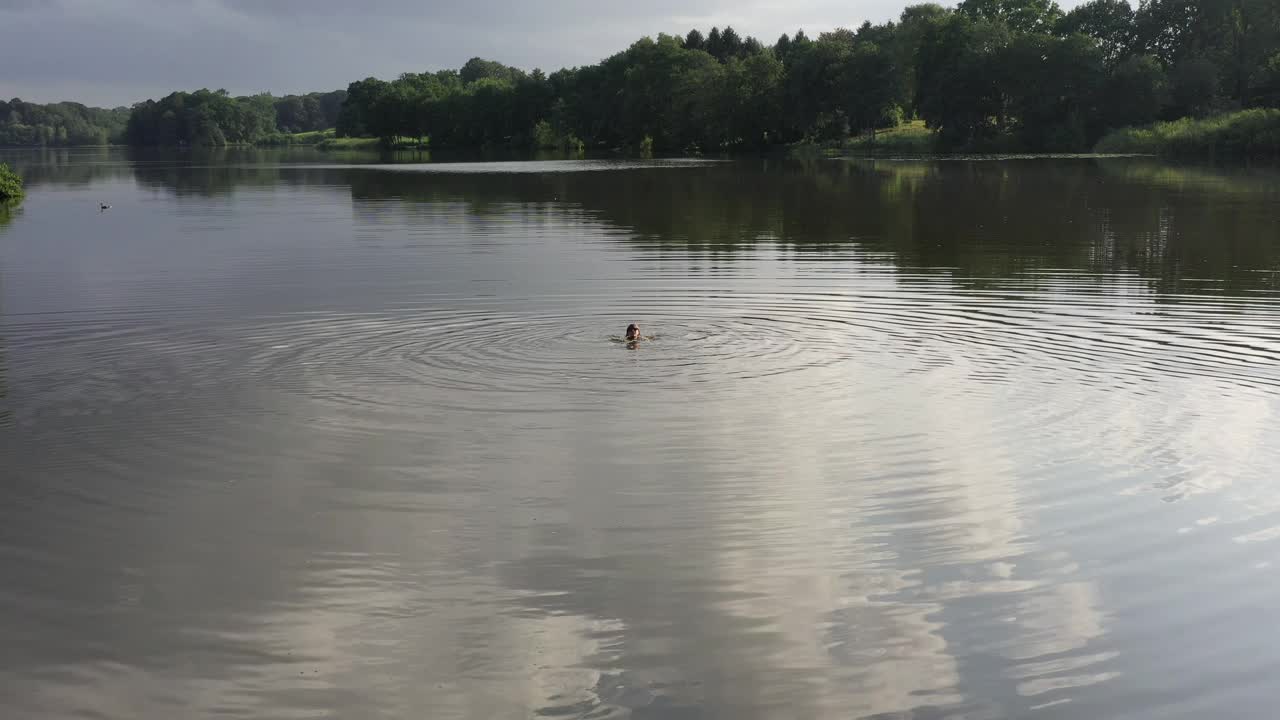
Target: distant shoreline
[(1248, 134)]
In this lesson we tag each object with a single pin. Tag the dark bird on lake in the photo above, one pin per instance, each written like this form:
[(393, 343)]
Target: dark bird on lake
[(103, 206)]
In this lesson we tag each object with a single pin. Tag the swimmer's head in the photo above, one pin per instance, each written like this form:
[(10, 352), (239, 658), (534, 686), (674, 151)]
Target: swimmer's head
[(633, 332)]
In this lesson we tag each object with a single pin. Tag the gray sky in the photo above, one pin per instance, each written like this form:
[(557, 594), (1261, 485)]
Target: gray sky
[(117, 52)]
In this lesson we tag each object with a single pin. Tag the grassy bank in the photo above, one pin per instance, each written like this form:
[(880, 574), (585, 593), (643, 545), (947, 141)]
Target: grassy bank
[(1248, 133), (910, 137), (314, 137), (353, 143), (350, 143), (327, 140)]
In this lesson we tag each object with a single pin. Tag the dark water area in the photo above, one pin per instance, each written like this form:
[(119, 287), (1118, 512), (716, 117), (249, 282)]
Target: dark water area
[(295, 435)]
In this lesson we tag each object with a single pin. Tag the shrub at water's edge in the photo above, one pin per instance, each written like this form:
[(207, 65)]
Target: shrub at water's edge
[(10, 185), (1253, 133)]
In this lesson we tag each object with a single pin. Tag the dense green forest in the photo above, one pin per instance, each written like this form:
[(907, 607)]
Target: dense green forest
[(212, 118), (59, 124), (199, 118), (310, 112), (986, 74), (1007, 74)]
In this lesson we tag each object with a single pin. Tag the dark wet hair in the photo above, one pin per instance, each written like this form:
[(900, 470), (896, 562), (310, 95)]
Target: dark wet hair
[(631, 327)]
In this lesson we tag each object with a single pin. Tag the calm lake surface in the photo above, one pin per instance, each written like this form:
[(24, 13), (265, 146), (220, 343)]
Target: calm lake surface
[(287, 436)]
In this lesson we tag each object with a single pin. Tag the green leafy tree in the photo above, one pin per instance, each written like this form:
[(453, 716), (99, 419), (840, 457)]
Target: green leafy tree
[(1170, 30), (958, 91), (201, 118), (1248, 36), (747, 101), (914, 23), (59, 124), (1266, 83), (1050, 88), (730, 45), (477, 69), (871, 86), (1135, 93), (1111, 23), (782, 47), (1020, 15), (715, 44), (354, 118), (815, 94), (648, 108), (1194, 83)]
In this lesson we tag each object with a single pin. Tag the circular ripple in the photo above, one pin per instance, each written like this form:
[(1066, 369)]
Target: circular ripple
[(720, 342), (477, 349), (565, 351)]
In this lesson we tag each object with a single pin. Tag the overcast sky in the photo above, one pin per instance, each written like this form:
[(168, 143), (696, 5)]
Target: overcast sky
[(117, 52)]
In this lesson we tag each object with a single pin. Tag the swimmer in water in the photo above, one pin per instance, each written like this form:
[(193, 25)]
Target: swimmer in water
[(633, 332)]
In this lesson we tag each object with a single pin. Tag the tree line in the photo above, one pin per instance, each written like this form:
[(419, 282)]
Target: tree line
[(215, 118), (59, 124), (203, 117), (985, 74)]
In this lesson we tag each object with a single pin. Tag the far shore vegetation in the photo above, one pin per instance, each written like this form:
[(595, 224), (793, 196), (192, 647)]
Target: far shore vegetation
[(1176, 77)]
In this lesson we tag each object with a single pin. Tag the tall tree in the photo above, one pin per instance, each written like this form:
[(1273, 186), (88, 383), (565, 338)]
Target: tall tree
[(1019, 15), (354, 119), (958, 88), (1109, 22), (1135, 93), (715, 43), (1171, 30), (1050, 88), (730, 44), (479, 69), (782, 47), (1194, 84), (871, 85)]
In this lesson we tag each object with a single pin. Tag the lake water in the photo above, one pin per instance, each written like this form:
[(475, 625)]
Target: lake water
[(287, 435)]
